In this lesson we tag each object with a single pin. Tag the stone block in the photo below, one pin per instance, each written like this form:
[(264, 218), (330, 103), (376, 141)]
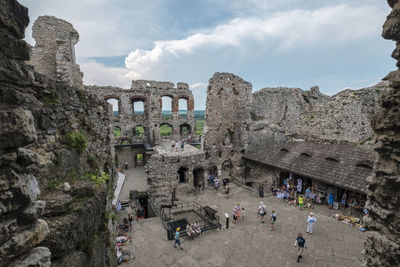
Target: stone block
[(17, 128)]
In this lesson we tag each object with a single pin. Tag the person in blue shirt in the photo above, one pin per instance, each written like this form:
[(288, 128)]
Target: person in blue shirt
[(177, 241)]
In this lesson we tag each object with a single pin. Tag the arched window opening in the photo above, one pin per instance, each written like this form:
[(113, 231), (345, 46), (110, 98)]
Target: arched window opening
[(115, 105), (138, 107), (166, 129), (166, 107), (185, 130), (138, 131), (117, 132), (183, 108)]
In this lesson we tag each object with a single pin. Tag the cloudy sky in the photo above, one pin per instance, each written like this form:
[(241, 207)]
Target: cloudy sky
[(291, 43)]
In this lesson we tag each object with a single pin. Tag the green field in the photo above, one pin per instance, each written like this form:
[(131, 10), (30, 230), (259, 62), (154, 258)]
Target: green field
[(199, 127), (165, 130)]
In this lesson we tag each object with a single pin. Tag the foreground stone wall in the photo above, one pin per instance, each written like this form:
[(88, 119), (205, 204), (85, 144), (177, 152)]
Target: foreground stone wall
[(310, 115), (54, 54), (150, 92), (382, 247), (40, 216), (227, 122)]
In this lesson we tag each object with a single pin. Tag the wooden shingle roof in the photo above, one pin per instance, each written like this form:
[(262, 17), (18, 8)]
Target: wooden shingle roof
[(342, 165)]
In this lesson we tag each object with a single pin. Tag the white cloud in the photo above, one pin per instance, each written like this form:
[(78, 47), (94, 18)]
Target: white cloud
[(98, 74), (278, 32)]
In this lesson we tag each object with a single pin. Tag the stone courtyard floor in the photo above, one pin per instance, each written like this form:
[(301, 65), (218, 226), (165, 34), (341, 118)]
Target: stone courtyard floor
[(250, 243)]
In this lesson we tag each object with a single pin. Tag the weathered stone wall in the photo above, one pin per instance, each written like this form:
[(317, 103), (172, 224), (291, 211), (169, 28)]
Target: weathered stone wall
[(227, 121), (260, 174), (382, 247), (54, 54), (162, 171), (36, 117), (150, 92), (310, 115)]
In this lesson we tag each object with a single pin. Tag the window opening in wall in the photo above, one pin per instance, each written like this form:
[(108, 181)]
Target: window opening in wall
[(166, 129), (115, 106), (138, 131), (332, 159), (117, 132), (183, 108), (139, 159), (166, 107), (138, 107), (185, 130), (198, 175)]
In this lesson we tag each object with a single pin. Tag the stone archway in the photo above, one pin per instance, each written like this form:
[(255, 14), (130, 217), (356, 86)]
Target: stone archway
[(198, 175), (183, 172)]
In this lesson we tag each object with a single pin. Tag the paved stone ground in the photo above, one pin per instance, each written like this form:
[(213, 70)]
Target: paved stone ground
[(135, 180), (250, 243)]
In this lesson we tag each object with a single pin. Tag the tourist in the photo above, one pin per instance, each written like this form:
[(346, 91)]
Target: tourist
[(272, 220), (176, 146), (183, 145), (196, 227), (300, 243), (262, 211), (177, 241), (130, 219), (227, 189), (173, 146), (343, 201), (301, 202), (308, 192), (243, 214), (234, 215), (331, 199), (310, 222), (189, 230), (237, 213), (201, 185), (216, 182)]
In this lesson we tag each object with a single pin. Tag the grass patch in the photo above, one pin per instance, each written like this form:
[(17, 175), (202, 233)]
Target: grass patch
[(165, 130), (77, 140), (117, 132), (199, 127)]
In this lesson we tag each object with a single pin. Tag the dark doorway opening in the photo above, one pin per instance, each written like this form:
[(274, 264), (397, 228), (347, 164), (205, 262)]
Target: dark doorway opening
[(182, 174), (144, 203), (198, 175)]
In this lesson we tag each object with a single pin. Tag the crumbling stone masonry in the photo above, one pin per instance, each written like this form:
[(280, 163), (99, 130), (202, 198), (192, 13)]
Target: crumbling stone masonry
[(150, 93), (181, 170), (42, 222), (227, 122), (54, 54), (382, 247)]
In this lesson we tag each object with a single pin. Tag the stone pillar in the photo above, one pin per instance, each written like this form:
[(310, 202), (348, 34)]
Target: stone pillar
[(54, 54), (227, 119)]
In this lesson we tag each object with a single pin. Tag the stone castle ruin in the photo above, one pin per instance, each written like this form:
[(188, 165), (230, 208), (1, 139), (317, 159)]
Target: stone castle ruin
[(343, 143)]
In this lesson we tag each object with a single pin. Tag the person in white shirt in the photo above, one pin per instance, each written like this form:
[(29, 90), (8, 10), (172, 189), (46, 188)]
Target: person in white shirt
[(262, 211), (310, 222)]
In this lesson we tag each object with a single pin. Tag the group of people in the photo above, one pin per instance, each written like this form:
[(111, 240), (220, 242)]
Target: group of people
[(238, 214), (193, 229), (175, 145)]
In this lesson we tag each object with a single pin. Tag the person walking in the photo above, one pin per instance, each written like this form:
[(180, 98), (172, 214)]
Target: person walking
[(272, 220), (262, 211), (300, 243), (177, 241), (243, 214), (183, 145), (310, 222), (130, 219)]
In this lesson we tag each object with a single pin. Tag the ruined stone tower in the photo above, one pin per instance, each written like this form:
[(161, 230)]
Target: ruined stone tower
[(227, 121), (382, 247), (54, 54)]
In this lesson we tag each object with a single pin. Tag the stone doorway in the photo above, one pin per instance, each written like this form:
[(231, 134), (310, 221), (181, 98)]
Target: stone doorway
[(182, 174), (198, 175)]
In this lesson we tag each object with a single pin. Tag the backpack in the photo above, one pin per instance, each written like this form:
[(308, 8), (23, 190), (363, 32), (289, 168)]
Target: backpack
[(273, 218), (301, 241)]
